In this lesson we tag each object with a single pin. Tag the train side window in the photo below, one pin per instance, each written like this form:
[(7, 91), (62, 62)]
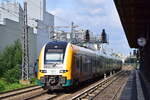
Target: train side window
[(91, 63), (87, 60), (83, 63), (86, 63), (77, 62), (100, 65), (80, 63)]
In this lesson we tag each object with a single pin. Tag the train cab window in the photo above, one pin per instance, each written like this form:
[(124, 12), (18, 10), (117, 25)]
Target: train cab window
[(54, 56)]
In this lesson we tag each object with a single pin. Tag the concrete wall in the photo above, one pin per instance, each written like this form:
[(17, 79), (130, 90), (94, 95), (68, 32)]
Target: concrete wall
[(32, 50), (32, 47), (12, 31), (49, 21), (9, 32), (43, 31)]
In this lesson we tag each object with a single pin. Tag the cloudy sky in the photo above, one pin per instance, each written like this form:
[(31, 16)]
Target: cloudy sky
[(94, 15)]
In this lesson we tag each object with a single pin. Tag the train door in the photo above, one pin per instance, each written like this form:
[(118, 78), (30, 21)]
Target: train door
[(80, 68), (88, 66), (76, 67), (94, 66), (91, 65)]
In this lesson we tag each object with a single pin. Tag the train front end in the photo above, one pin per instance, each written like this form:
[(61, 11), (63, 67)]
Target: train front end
[(52, 71)]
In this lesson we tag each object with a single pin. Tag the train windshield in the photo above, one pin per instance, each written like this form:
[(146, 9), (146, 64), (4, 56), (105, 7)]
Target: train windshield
[(54, 56)]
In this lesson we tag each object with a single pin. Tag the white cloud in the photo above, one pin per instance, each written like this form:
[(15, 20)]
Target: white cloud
[(57, 11), (95, 11), (96, 18), (93, 2)]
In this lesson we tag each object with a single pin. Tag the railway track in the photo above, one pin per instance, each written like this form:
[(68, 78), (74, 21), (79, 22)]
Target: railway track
[(43, 96), (94, 91), (113, 91), (87, 93), (28, 93), (22, 93)]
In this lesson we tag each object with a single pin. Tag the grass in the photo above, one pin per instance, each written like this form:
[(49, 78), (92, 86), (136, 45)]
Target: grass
[(5, 86), (14, 86)]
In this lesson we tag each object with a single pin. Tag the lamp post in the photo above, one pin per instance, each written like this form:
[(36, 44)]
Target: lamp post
[(141, 42)]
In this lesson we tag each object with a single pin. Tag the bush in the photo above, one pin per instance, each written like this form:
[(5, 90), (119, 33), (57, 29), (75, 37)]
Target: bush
[(2, 85), (13, 75)]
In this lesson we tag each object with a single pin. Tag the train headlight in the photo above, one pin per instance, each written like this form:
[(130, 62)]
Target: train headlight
[(63, 80), (43, 71), (63, 71)]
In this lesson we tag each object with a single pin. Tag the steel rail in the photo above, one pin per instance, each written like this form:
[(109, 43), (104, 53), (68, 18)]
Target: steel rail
[(105, 83), (116, 94), (36, 95), (20, 91)]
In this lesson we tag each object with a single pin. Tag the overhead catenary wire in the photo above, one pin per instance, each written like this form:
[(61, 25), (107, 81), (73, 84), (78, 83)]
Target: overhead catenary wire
[(41, 22)]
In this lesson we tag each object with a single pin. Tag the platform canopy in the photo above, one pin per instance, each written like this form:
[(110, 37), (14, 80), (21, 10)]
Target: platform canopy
[(135, 18)]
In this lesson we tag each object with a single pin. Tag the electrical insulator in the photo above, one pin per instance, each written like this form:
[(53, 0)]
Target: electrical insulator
[(103, 36), (87, 36)]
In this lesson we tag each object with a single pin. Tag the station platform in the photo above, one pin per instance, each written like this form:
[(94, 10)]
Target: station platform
[(137, 87)]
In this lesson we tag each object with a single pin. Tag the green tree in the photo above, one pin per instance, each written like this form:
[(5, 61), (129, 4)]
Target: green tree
[(10, 61)]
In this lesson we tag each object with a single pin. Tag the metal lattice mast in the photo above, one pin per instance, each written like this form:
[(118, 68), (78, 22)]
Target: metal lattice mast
[(25, 54), (71, 34)]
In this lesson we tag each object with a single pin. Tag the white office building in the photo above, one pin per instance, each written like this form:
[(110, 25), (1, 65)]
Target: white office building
[(11, 10)]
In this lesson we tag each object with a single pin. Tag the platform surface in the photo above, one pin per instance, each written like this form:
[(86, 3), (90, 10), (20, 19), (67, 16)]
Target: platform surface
[(136, 87)]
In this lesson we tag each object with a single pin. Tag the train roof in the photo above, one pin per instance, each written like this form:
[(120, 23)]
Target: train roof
[(88, 51), (96, 52), (107, 55), (60, 44)]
